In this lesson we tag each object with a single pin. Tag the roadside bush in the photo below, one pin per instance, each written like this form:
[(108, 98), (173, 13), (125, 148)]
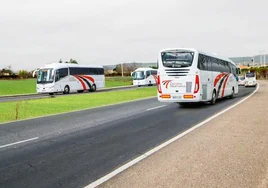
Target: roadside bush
[(24, 74)]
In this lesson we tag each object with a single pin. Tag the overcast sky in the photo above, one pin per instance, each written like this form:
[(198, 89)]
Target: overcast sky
[(101, 32)]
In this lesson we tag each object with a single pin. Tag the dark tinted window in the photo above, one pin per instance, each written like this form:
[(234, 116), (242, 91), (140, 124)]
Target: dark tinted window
[(63, 72), (213, 64), (148, 73), (86, 71), (153, 72), (203, 62)]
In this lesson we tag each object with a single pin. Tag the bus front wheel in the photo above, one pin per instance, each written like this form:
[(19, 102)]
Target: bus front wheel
[(233, 93), (66, 90)]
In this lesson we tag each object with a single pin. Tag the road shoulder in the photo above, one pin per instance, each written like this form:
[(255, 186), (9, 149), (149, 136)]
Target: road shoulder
[(229, 151)]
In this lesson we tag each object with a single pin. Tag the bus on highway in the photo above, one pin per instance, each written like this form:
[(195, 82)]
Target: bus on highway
[(144, 76), (186, 76), (66, 78), (250, 79)]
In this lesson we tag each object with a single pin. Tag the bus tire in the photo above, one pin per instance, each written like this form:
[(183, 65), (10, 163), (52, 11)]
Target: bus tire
[(233, 94), (80, 91), (93, 87), (51, 94), (66, 90), (214, 97), (150, 83)]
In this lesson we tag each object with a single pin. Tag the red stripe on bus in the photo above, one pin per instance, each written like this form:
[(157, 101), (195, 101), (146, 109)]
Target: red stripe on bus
[(90, 78), (224, 85), (82, 82), (217, 79)]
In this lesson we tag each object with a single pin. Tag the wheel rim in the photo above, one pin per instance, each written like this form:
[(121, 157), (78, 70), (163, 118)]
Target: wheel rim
[(66, 90)]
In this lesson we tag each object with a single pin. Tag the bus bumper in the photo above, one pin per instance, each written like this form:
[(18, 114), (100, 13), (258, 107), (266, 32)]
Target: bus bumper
[(178, 98)]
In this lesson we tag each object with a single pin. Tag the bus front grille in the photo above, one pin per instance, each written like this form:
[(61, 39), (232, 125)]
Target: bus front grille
[(177, 72)]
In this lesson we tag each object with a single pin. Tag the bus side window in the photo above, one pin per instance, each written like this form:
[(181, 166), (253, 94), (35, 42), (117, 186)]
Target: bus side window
[(148, 73), (202, 62), (57, 78)]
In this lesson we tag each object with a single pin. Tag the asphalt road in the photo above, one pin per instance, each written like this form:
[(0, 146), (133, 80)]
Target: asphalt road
[(75, 149), (40, 96)]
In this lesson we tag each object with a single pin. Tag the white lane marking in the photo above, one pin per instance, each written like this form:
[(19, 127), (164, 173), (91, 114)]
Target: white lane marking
[(156, 107), (145, 155), (19, 142)]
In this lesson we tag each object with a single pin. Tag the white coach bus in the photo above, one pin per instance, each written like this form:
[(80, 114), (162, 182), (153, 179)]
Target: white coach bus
[(187, 75), (250, 79), (144, 76), (66, 78)]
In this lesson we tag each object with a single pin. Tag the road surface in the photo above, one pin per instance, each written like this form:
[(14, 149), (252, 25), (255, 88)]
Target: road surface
[(75, 149)]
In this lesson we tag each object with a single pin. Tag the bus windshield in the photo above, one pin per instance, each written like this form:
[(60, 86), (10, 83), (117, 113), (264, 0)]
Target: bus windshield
[(138, 75), (45, 76), (177, 59), (241, 77), (250, 74)]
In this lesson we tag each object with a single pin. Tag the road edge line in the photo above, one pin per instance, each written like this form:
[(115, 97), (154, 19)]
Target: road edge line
[(19, 142), (157, 148)]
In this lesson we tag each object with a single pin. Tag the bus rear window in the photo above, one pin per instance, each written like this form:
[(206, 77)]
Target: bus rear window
[(177, 59)]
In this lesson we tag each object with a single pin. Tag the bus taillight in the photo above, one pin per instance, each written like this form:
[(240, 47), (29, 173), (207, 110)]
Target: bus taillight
[(197, 84), (158, 84)]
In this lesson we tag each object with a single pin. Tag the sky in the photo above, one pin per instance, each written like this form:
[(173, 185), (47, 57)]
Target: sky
[(107, 32)]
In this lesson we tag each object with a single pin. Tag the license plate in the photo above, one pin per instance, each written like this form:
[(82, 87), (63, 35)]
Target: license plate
[(175, 84), (176, 97)]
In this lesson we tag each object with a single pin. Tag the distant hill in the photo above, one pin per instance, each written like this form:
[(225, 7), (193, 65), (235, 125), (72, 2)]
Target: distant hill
[(248, 59)]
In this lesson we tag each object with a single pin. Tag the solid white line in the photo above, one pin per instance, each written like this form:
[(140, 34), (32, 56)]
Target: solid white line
[(143, 156), (19, 142), (156, 107)]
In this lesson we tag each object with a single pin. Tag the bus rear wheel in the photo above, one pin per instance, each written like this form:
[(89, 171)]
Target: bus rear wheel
[(93, 87), (214, 98), (66, 90)]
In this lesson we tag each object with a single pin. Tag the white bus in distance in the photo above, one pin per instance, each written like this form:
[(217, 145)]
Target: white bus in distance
[(66, 78), (144, 76), (250, 79), (186, 75)]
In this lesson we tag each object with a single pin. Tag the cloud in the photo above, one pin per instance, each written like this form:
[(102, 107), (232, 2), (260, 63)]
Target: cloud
[(35, 32)]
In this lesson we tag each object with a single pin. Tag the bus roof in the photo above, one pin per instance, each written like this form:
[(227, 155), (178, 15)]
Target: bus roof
[(144, 69), (66, 65), (198, 51)]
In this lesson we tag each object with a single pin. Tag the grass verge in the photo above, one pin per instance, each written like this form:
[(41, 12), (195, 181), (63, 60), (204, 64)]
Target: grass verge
[(27, 86), (11, 111)]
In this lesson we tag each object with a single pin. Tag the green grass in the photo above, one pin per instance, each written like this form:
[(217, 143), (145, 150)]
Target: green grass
[(118, 81), (49, 106), (13, 87)]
